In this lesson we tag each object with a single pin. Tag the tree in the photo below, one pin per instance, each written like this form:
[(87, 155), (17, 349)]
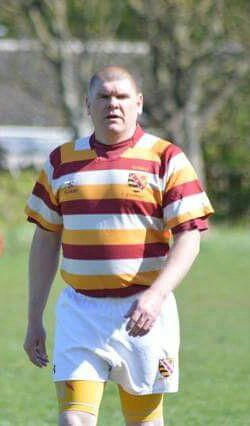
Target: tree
[(56, 24), (198, 55), (227, 159), (197, 63)]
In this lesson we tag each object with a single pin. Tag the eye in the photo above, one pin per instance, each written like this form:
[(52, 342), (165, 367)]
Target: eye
[(104, 96), (123, 96)]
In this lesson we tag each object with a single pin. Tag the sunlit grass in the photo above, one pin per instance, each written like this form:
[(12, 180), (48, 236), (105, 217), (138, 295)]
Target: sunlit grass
[(215, 316)]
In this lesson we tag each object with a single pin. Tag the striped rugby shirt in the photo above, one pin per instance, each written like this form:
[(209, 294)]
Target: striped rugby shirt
[(117, 209)]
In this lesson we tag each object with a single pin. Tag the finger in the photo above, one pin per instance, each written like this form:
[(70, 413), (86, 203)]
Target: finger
[(133, 320), (136, 326), (41, 352), (131, 309), (141, 330), (41, 348), (36, 357), (146, 328), (41, 359)]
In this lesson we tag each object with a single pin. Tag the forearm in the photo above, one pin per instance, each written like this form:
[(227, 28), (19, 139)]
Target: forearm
[(179, 261), (43, 264)]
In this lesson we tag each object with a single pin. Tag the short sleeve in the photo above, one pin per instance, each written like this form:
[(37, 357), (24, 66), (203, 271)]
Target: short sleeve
[(185, 203), (42, 206)]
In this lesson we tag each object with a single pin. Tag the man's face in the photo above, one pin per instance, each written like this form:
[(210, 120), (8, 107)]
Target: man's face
[(114, 107)]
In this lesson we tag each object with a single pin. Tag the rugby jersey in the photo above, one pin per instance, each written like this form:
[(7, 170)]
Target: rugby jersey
[(117, 209)]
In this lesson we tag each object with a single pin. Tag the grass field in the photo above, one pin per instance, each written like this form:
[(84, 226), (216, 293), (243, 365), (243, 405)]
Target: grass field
[(215, 319)]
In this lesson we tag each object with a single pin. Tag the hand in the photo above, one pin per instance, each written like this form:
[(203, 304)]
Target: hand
[(34, 345), (143, 313)]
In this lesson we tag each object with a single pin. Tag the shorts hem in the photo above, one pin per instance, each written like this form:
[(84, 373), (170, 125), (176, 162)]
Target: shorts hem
[(150, 391), (72, 379)]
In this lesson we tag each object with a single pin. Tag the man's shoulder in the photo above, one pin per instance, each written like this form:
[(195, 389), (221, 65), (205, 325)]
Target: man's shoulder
[(157, 144), (73, 145), (70, 150)]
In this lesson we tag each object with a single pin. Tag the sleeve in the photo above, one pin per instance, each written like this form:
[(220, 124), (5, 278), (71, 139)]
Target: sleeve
[(185, 203), (42, 206)]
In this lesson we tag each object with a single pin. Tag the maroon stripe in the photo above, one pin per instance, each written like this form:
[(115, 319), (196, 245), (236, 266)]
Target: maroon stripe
[(55, 157), (201, 224), (40, 191), (114, 292), (100, 163), (108, 252), (114, 206), (180, 191), (170, 152)]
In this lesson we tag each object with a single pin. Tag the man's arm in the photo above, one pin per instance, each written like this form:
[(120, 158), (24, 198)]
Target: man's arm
[(43, 263), (145, 310)]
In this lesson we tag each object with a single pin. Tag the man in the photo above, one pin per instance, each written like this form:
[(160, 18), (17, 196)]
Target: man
[(113, 201)]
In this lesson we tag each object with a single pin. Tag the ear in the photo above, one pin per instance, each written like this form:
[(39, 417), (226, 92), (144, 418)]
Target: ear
[(139, 103)]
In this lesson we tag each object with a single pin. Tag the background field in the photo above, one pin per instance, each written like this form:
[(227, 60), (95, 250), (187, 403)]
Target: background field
[(215, 319)]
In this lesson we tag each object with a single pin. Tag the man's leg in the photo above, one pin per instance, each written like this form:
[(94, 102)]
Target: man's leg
[(79, 402), (76, 418), (142, 410)]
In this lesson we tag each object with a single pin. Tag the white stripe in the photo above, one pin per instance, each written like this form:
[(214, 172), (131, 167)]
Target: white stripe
[(102, 177), (147, 141), (112, 267), (82, 144), (186, 205), (37, 205), (176, 163), (108, 221), (48, 169)]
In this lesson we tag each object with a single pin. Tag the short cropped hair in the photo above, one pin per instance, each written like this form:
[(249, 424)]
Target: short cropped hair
[(112, 73)]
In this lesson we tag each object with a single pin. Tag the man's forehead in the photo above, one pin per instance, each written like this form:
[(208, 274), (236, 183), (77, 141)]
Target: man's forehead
[(116, 85)]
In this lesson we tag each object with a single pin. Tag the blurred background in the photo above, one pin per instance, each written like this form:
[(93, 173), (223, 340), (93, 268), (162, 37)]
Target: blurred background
[(192, 60), (191, 57)]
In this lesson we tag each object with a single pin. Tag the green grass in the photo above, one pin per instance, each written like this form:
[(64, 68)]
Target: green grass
[(215, 316)]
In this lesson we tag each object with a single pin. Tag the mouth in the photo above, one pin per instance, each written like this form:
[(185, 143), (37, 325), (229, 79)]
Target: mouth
[(113, 117)]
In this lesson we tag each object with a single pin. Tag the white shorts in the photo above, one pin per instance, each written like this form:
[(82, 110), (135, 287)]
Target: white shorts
[(91, 343)]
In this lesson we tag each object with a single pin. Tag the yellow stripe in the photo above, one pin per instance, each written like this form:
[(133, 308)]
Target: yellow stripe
[(109, 192), (141, 154), (184, 175), (111, 237), (68, 153), (194, 214), (42, 221), (100, 282), (160, 146), (43, 180)]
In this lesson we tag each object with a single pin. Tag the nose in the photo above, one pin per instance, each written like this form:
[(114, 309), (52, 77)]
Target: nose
[(113, 102)]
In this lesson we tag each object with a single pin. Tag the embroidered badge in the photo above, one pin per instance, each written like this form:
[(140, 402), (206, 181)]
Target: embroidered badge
[(69, 187), (166, 366), (137, 182)]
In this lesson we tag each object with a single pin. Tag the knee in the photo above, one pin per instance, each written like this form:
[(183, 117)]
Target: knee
[(76, 418)]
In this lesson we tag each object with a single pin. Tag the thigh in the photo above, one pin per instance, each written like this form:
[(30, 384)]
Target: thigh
[(79, 395), (141, 408), (79, 345)]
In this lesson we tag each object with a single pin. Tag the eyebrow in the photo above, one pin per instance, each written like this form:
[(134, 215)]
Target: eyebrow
[(112, 93)]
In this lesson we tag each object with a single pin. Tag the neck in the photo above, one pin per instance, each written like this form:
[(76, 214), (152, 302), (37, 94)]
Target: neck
[(114, 138)]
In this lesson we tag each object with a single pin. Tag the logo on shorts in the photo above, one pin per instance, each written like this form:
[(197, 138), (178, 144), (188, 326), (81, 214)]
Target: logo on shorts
[(166, 366), (137, 182)]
